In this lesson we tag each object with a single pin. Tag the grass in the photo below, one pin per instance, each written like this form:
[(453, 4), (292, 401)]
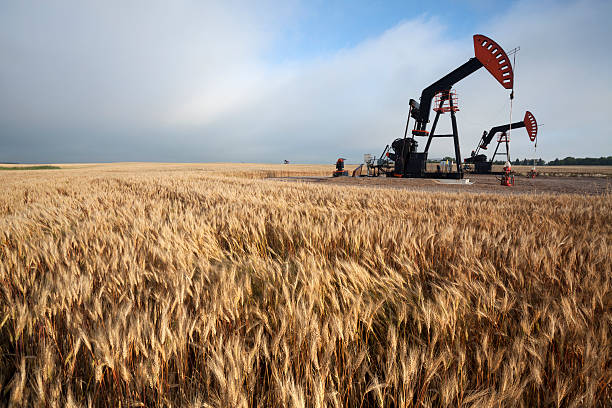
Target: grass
[(29, 168), (149, 286)]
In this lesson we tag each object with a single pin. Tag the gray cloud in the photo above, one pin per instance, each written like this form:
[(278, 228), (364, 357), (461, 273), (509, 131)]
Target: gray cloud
[(187, 81)]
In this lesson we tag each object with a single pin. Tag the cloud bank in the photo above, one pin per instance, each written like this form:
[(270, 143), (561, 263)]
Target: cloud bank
[(188, 81)]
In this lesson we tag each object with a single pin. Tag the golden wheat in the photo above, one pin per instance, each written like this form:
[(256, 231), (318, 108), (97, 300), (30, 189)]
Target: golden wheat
[(176, 286)]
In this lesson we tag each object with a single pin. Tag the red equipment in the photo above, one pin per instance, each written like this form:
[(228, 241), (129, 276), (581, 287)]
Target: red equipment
[(507, 178), (340, 168), (531, 125), (441, 98), (494, 59)]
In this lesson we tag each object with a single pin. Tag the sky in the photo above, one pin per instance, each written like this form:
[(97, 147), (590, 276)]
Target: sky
[(240, 81)]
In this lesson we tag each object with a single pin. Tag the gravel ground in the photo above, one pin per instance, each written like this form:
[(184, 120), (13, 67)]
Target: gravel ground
[(481, 184)]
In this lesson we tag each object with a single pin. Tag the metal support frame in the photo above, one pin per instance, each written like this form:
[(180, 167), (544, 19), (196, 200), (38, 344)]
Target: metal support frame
[(405, 134), (456, 140), (433, 127), (455, 134), (506, 141)]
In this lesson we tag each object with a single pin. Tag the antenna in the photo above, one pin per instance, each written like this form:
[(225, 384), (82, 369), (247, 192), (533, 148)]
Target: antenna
[(514, 51)]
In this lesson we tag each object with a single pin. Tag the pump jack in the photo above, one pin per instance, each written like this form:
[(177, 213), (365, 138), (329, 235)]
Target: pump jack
[(407, 161), (340, 168), (479, 160)]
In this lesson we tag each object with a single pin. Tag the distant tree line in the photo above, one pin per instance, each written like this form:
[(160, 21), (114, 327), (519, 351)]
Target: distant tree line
[(586, 161)]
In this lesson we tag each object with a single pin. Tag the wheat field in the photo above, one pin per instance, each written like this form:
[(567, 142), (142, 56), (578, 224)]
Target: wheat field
[(134, 285)]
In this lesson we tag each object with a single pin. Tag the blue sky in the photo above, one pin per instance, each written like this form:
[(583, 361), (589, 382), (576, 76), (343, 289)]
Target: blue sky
[(320, 28), (187, 80)]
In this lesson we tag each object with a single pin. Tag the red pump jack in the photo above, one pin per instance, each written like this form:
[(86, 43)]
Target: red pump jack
[(340, 168)]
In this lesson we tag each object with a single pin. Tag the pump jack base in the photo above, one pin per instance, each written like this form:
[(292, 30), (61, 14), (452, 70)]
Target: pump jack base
[(464, 181), (495, 173), (431, 175)]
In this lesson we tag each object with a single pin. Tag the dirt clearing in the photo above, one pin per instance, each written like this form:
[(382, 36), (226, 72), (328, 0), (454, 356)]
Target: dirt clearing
[(480, 184)]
